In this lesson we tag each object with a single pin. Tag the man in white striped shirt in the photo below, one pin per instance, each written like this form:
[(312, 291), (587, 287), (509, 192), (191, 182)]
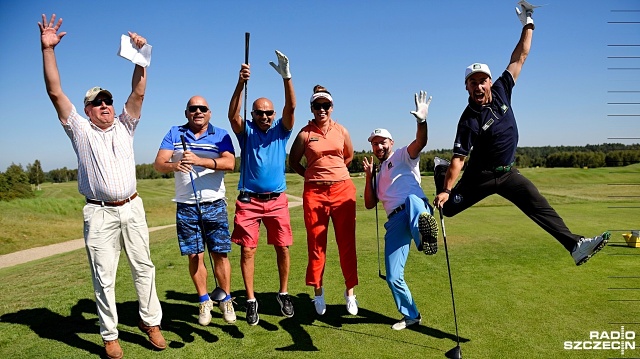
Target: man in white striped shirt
[(114, 216)]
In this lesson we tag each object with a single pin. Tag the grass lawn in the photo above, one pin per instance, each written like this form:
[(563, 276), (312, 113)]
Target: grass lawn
[(518, 293)]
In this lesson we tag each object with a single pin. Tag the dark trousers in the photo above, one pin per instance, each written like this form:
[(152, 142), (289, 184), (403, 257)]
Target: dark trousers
[(512, 185)]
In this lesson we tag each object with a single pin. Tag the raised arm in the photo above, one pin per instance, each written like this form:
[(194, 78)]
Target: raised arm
[(520, 53), (288, 118), (421, 112), (138, 82), (236, 121), (370, 198), (49, 38)]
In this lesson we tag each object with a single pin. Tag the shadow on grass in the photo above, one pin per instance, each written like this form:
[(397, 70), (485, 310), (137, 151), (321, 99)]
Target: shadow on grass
[(181, 319)]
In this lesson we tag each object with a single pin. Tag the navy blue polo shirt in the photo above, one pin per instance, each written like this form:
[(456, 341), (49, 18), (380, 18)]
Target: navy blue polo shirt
[(489, 130)]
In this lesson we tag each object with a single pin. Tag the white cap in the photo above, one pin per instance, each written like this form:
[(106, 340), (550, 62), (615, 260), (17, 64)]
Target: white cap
[(477, 67), (380, 132)]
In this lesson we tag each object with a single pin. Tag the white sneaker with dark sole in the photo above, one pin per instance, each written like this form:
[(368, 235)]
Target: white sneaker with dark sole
[(587, 247), (407, 322)]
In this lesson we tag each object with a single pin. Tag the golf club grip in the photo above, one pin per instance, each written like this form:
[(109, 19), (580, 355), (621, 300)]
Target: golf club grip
[(184, 144), (246, 47)]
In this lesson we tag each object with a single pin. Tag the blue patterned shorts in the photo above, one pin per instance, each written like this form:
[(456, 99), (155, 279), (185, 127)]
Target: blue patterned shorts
[(216, 227)]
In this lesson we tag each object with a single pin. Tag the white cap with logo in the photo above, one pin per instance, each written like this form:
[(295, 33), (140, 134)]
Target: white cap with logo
[(474, 68), (380, 132)]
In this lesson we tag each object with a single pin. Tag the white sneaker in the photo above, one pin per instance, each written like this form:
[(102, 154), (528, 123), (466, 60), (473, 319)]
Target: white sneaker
[(352, 304), (587, 247), (406, 322), (320, 304), (228, 314), (204, 318)]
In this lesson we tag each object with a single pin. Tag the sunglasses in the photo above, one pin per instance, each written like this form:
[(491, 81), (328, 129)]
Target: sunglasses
[(259, 113), (202, 109), (324, 105), (98, 102)]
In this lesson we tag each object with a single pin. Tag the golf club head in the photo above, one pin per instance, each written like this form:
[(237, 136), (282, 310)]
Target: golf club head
[(382, 276), (454, 353), (244, 197), (218, 295)]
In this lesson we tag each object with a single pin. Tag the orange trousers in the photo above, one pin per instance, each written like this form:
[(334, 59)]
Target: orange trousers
[(338, 202)]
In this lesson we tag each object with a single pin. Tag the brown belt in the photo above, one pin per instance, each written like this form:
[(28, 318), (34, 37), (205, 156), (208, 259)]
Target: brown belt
[(325, 183), (112, 204)]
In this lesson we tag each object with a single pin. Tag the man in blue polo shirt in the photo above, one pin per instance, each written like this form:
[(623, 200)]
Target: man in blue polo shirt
[(262, 183), (489, 127), (209, 153)]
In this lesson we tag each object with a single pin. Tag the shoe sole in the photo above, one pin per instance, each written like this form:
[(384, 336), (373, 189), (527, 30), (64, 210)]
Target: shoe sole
[(428, 228), (282, 308), (602, 244)]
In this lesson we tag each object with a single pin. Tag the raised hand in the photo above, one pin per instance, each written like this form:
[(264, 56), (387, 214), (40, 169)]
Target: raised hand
[(49, 36), (422, 107), (283, 65), (138, 40), (525, 12)]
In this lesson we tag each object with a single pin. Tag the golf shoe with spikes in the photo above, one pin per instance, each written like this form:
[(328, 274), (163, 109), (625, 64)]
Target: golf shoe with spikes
[(587, 247), (428, 228)]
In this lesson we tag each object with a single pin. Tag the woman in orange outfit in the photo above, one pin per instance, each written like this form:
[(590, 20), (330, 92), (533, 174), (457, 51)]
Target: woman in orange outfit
[(328, 193)]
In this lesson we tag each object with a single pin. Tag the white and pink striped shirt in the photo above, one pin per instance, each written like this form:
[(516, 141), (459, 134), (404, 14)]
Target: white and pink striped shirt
[(106, 165)]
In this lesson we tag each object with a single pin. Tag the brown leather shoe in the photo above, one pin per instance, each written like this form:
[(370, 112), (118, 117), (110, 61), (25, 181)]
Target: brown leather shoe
[(112, 349), (155, 336)]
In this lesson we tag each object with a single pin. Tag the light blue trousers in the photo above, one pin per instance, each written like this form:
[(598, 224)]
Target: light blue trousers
[(400, 229)]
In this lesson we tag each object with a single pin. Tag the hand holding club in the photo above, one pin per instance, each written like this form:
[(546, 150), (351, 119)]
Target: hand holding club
[(525, 13), (283, 65), (422, 107)]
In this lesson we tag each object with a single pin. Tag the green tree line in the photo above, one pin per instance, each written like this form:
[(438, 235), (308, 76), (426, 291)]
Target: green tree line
[(17, 182)]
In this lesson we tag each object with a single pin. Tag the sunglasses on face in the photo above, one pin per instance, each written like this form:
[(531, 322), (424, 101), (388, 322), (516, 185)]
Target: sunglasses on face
[(202, 109), (324, 105), (98, 102), (259, 113)]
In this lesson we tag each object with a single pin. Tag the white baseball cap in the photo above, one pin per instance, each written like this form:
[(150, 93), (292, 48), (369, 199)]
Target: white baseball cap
[(380, 132), (477, 67)]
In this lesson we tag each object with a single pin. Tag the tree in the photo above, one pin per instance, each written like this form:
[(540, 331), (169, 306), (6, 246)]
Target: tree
[(36, 175), (15, 184)]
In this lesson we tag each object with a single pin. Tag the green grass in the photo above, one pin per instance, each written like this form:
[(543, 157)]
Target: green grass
[(518, 293)]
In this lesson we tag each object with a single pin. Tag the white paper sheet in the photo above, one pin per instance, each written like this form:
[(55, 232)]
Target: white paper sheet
[(130, 52)]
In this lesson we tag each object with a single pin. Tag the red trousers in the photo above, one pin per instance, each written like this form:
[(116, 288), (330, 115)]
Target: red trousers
[(338, 202)]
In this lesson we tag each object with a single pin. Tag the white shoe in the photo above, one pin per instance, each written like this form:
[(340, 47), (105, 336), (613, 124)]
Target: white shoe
[(406, 322), (228, 314), (352, 304), (587, 247), (204, 318), (320, 304)]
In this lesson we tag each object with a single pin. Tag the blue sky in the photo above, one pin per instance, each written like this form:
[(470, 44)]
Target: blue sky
[(372, 55)]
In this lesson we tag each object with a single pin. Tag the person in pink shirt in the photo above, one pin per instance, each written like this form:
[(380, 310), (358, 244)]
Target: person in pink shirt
[(328, 193)]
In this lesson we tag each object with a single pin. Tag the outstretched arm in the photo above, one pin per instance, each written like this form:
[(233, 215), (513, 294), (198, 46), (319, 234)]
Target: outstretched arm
[(421, 112), (138, 82), (236, 121), (288, 118), (521, 51), (457, 162), (49, 38)]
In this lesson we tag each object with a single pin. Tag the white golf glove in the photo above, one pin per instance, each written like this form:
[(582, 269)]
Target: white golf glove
[(422, 107), (525, 14), (283, 65)]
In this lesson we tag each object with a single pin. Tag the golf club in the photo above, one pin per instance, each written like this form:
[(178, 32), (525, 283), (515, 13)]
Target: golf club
[(243, 196), (375, 193), (454, 353), (201, 222)]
